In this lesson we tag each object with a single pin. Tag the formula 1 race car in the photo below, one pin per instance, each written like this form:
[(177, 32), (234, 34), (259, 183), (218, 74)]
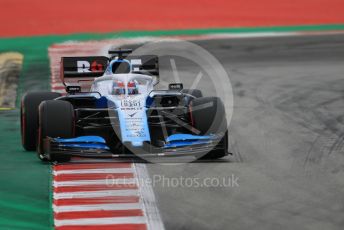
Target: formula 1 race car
[(111, 109)]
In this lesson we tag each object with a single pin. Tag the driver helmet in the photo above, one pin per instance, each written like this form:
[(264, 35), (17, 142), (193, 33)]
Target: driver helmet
[(119, 88), (133, 88)]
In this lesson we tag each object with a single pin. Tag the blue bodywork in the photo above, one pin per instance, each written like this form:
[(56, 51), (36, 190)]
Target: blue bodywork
[(173, 141), (97, 142), (86, 142), (181, 140), (133, 123)]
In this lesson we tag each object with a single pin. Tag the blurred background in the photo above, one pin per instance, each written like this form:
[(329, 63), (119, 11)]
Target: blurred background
[(37, 17)]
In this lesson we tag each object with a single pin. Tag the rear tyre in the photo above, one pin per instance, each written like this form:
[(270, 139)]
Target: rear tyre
[(209, 117), (56, 119), (29, 117), (194, 92)]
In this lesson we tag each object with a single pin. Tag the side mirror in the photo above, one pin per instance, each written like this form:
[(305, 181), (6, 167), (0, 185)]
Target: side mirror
[(175, 86), (73, 89)]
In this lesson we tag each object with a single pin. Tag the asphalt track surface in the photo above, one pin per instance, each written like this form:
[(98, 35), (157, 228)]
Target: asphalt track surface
[(286, 135)]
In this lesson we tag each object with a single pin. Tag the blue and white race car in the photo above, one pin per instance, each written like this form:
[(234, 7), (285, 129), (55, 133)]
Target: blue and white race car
[(111, 109)]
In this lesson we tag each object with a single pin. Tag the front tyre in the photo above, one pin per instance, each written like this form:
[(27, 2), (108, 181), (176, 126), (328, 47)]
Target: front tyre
[(56, 119), (209, 117), (29, 117), (216, 154)]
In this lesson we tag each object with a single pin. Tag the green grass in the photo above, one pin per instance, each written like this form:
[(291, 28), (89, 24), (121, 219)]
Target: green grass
[(24, 181)]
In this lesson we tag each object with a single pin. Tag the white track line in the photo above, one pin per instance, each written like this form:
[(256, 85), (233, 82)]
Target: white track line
[(70, 195), (87, 171), (97, 207), (148, 199), (102, 221), (110, 182)]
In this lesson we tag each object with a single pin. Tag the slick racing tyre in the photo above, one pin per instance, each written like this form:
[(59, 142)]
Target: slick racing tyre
[(56, 119), (216, 154), (209, 117), (29, 117)]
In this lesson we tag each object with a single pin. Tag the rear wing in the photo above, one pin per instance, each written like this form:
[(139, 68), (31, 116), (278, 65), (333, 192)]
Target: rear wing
[(82, 67), (85, 69)]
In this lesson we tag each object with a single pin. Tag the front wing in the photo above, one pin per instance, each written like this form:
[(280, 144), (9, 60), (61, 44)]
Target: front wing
[(95, 147)]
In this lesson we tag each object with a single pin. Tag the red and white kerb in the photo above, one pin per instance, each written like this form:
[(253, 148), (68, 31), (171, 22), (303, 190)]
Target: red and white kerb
[(101, 196)]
